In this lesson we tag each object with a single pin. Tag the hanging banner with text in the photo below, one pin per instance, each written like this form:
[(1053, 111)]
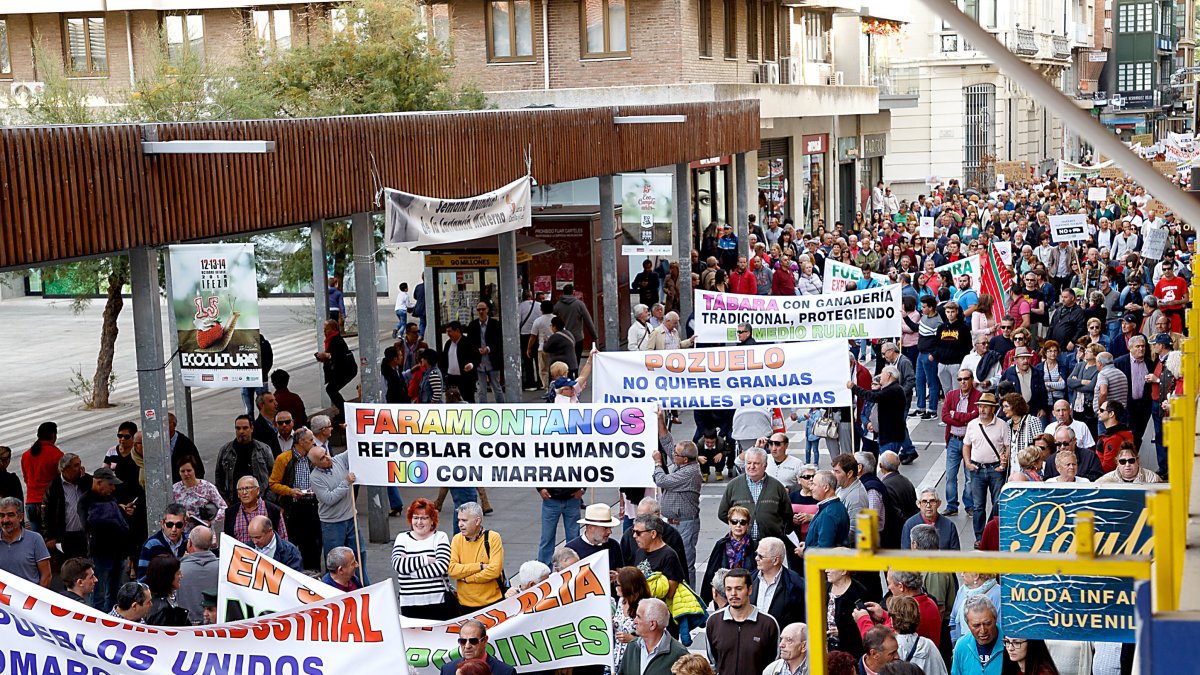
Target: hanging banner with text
[(562, 622), (1069, 227), (502, 445), (214, 294), (837, 275), (1040, 518), (647, 213), (795, 374), (969, 266), (44, 633), (416, 220), (873, 313)]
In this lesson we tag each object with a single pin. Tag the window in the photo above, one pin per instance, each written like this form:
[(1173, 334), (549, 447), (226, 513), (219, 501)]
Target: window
[(185, 37), (982, 11), (85, 45), (704, 27), (768, 27), (752, 29), (815, 34), (1135, 18), (349, 20), (437, 24), (731, 29), (605, 27), (273, 27), (5, 61), (510, 30), (1134, 76)]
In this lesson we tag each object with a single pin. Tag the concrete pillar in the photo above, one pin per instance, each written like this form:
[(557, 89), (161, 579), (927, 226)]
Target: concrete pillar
[(743, 205), (182, 395), (152, 378), (320, 292), (366, 300), (683, 243), (430, 312), (608, 263), (510, 318)]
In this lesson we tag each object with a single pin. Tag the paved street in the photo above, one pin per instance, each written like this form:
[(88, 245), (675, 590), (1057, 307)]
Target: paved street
[(33, 389)]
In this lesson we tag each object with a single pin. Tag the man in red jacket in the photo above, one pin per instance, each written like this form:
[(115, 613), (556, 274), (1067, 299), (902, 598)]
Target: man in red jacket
[(742, 280), (1113, 434), (958, 409)]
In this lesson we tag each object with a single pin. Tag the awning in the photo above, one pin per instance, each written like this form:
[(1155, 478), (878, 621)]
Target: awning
[(1120, 121), (527, 247)]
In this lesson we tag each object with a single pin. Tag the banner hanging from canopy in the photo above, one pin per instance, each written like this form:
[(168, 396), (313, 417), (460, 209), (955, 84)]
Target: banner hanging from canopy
[(415, 220)]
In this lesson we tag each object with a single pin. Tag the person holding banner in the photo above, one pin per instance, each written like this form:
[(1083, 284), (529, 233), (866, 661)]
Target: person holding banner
[(332, 483)]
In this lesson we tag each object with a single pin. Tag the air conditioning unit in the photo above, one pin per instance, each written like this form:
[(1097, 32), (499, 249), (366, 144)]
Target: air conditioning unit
[(24, 92), (768, 73), (837, 79), (789, 71)]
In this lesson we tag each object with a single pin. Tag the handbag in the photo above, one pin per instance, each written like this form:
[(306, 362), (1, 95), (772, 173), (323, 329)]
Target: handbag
[(826, 426)]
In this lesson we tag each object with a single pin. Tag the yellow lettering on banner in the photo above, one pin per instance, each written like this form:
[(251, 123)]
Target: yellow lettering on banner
[(1049, 525)]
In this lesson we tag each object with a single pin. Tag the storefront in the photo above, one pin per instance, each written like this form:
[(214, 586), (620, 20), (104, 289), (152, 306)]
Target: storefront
[(460, 281), (814, 148), (870, 167), (848, 198), (774, 173)]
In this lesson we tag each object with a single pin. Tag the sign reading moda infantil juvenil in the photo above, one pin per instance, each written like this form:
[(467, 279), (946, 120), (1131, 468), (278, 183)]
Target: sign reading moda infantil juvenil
[(872, 313), (803, 374), (1040, 518), (502, 445), (562, 622), (42, 632), (214, 294), (413, 219)]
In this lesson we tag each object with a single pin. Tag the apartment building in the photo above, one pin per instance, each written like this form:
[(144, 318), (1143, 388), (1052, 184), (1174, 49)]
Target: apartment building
[(1145, 39)]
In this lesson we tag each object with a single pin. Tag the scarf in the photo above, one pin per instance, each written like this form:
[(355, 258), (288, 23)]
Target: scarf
[(735, 552)]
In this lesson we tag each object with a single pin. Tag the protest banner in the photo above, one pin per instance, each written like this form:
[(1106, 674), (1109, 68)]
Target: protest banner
[(1069, 227), (1141, 139), (871, 313), (563, 622), (1168, 169), (1018, 171), (647, 213), (1155, 242), (970, 266), (837, 275), (1157, 206), (416, 220), (1004, 248), (1068, 170), (501, 445), (1040, 518), (794, 374), (214, 295), (44, 632), (1112, 172), (1097, 194), (925, 229)]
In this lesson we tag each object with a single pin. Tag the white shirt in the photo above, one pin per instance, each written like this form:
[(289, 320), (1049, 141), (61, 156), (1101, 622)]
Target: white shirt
[(1058, 479), (541, 328), (402, 301), (528, 312), (766, 591), (452, 358), (1083, 436)]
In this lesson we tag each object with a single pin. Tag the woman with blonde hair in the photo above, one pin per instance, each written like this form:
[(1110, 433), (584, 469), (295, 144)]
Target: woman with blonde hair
[(1030, 463), (983, 324)]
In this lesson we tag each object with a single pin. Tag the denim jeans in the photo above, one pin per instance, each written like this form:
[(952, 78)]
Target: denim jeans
[(395, 501), (954, 459), (342, 533), (927, 378), (812, 452), (907, 449), (985, 479), (895, 446), (1160, 450), (248, 396), (552, 511), (109, 574), (401, 320), (462, 496), (33, 518), (493, 376), (689, 531)]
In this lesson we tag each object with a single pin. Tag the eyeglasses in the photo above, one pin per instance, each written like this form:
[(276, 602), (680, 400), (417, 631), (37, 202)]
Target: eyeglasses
[(1126, 461), (807, 476), (638, 532), (125, 436), (1014, 642), (470, 641), (928, 501), (965, 379), (1062, 444), (739, 521), (173, 526), (250, 488), (742, 331)]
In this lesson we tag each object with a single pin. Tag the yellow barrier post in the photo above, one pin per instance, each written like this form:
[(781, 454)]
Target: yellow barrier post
[(1166, 597), (1178, 451)]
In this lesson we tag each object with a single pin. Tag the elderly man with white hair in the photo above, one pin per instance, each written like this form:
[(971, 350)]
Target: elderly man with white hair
[(777, 590), (654, 651), (891, 406), (667, 336), (793, 651), (640, 329), (531, 573)]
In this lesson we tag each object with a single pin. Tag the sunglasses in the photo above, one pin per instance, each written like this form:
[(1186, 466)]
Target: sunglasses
[(1061, 444), (125, 436), (470, 641), (739, 521), (808, 476), (639, 532), (776, 442), (1126, 461), (173, 526), (965, 379)]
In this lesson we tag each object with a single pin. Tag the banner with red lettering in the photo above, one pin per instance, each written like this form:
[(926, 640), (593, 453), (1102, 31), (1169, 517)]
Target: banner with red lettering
[(44, 633)]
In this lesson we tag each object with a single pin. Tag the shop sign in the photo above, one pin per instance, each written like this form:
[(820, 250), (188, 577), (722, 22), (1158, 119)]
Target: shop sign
[(874, 145), (469, 259), (709, 162), (847, 149), (815, 144)]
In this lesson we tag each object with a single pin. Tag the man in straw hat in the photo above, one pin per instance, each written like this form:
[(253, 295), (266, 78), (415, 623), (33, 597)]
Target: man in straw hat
[(598, 523), (986, 447)]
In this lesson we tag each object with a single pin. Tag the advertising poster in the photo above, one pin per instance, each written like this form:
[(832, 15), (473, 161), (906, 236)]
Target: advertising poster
[(415, 220), (563, 622), (44, 633), (214, 294), (872, 313), (647, 213), (1040, 518), (795, 374), (1069, 227), (837, 275), (502, 445)]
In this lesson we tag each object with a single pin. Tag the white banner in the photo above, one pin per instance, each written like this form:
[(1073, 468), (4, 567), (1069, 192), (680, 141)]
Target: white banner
[(969, 266), (44, 633), (837, 275), (1097, 194), (563, 622), (214, 295), (872, 313), (1069, 227), (502, 445), (796, 374), (416, 220), (925, 229), (1004, 249)]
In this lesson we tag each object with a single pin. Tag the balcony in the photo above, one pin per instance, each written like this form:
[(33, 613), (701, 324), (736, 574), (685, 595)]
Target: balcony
[(1061, 46), (898, 87), (1025, 42)]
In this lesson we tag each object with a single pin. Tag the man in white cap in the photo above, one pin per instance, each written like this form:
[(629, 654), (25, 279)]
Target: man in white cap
[(596, 536)]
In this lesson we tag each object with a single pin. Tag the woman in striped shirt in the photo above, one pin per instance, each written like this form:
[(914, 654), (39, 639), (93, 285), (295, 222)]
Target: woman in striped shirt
[(421, 557)]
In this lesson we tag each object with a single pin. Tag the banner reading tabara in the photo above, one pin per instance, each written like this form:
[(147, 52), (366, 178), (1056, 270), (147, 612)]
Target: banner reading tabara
[(214, 294), (790, 374), (413, 219), (868, 314), (647, 213), (563, 622), (502, 445), (1040, 518)]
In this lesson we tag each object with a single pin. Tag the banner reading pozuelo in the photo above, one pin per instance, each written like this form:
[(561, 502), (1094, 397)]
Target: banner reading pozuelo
[(214, 294), (563, 622), (43, 632), (872, 313), (783, 375), (502, 445), (413, 219)]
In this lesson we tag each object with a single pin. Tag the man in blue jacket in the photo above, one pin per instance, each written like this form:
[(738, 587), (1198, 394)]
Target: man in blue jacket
[(1028, 382), (282, 551), (981, 651), (831, 526)]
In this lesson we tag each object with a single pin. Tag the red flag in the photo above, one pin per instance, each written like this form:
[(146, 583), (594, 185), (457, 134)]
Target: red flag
[(995, 280)]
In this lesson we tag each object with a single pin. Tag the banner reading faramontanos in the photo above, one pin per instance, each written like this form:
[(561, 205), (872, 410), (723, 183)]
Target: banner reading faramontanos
[(503, 445), (789, 374), (41, 632), (873, 313), (563, 622), (214, 294), (413, 219)]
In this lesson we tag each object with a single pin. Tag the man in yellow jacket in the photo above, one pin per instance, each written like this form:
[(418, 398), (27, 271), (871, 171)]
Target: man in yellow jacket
[(476, 561)]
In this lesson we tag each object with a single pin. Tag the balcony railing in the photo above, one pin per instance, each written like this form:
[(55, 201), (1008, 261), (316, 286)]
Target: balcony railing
[(904, 81), (1062, 47)]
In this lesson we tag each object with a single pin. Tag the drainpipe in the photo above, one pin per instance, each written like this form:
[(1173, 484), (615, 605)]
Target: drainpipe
[(129, 48), (546, 45)]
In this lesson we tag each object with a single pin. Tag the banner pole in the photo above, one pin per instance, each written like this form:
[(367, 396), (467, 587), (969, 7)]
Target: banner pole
[(358, 544)]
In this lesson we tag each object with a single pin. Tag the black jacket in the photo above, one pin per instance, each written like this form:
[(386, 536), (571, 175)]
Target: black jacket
[(466, 355), (891, 402), (266, 434), (1124, 364), (717, 560), (163, 612), (849, 639), (495, 341), (787, 605), (1068, 323), (185, 447), (54, 503)]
